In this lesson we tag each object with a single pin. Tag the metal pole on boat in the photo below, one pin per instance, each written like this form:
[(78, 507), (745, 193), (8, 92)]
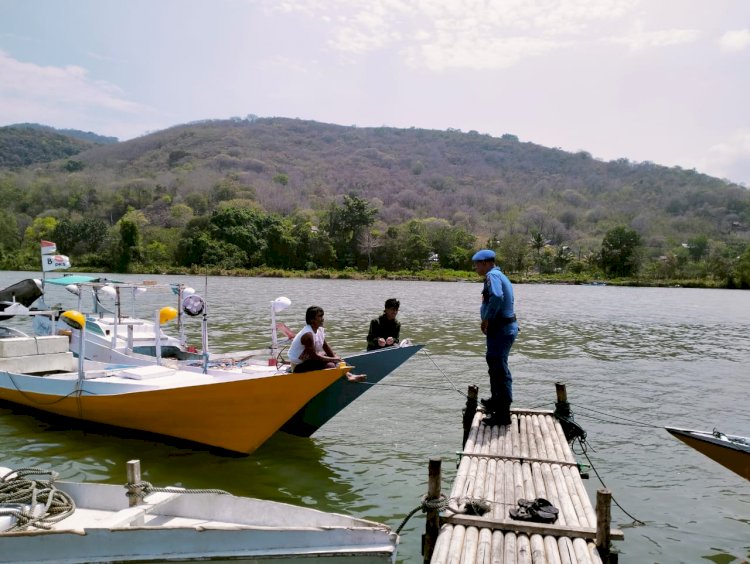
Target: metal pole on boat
[(180, 324), (204, 338), (157, 338)]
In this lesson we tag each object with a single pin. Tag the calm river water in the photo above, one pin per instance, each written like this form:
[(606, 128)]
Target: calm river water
[(634, 360)]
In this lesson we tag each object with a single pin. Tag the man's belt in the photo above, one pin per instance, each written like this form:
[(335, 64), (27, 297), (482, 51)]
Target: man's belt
[(500, 321)]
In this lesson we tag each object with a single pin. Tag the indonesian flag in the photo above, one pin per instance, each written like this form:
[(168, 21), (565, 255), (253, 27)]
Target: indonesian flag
[(48, 248), (54, 262)]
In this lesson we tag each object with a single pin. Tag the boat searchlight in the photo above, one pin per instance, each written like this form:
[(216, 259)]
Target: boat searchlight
[(73, 289)]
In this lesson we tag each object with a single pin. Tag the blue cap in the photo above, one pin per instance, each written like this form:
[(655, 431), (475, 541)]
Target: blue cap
[(484, 254)]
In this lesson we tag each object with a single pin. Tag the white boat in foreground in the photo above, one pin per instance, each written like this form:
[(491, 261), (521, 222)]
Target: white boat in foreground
[(180, 526)]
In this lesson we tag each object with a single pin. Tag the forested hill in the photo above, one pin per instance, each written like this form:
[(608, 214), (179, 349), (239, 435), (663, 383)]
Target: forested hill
[(483, 183), (22, 146), (491, 187)]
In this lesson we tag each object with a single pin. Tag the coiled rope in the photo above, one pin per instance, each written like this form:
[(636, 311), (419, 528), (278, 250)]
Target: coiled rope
[(38, 503), (20, 497)]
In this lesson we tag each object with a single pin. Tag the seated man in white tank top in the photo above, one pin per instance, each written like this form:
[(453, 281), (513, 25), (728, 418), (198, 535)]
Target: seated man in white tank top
[(309, 350)]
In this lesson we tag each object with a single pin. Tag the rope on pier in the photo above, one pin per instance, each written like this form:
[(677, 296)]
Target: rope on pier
[(467, 506), (23, 498)]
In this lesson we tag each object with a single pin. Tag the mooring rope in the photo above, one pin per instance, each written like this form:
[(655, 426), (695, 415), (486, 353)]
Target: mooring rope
[(22, 497), (471, 506), (142, 489)]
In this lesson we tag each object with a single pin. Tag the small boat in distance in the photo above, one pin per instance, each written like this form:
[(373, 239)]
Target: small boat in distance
[(97, 523), (731, 451)]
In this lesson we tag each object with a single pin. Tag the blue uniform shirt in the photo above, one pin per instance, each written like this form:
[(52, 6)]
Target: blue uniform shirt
[(497, 295)]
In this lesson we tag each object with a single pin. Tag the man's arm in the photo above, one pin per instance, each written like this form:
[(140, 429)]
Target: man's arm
[(373, 334), (329, 352), (310, 352)]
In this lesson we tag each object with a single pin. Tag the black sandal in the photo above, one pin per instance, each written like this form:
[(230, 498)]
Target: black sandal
[(541, 504), (521, 514)]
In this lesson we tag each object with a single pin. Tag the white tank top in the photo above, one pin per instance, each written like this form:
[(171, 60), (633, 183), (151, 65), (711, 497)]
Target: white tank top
[(297, 349)]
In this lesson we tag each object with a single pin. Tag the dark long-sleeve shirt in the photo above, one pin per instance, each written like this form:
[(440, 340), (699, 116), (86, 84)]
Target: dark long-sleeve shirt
[(382, 328)]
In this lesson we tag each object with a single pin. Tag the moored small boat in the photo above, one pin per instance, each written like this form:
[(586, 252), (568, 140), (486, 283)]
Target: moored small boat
[(235, 410), (94, 523), (731, 451), (119, 339)]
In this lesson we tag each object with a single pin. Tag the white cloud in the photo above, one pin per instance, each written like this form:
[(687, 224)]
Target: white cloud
[(640, 40), (473, 34), (30, 92), (730, 158), (736, 40)]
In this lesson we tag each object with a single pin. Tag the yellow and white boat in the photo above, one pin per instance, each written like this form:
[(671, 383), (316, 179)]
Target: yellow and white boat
[(236, 410)]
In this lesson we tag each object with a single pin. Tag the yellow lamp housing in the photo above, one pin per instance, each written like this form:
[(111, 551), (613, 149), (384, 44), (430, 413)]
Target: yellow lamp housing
[(74, 319), (167, 314)]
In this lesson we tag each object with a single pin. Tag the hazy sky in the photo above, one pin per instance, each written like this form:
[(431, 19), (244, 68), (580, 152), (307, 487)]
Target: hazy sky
[(666, 81)]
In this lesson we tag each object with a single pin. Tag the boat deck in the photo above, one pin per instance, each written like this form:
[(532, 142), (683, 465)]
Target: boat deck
[(528, 459)]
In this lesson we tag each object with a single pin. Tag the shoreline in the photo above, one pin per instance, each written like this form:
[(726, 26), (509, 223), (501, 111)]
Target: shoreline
[(432, 275)]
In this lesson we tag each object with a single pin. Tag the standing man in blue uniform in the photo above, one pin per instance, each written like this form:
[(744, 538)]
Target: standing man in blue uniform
[(501, 328)]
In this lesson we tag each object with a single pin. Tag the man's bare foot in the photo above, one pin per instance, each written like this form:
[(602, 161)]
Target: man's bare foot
[(356, 377)]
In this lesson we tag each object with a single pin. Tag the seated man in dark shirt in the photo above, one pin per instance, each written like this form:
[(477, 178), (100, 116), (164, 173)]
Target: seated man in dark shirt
[(385, 329)]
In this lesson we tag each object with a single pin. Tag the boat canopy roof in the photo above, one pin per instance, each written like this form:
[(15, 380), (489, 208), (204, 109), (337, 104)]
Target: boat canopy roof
[(71, 279)]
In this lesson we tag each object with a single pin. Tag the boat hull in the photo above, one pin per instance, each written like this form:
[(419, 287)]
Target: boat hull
[(185, 527), (237, 415), (328, 403), (733, 456)]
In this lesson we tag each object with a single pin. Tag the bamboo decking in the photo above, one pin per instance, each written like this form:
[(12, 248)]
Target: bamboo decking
[(529, 458)]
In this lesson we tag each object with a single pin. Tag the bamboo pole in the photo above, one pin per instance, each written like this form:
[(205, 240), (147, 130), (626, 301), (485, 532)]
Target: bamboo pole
[(484, 547), (582, 551), (509, 556), (440, 554), (552, 550), (523, 549), (538, 551), (498, 546), (471, 545), (457, 544)]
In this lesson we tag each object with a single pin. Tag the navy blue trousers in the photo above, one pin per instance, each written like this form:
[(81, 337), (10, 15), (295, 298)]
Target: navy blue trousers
[(501, 380)]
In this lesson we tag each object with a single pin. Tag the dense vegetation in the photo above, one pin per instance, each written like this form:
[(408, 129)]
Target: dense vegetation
[(297, 195)]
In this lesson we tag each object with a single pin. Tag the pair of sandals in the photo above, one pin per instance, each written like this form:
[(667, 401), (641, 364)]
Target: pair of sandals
[(537, 510)]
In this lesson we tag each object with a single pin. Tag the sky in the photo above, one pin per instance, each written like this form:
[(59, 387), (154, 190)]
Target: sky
[(665, 81)]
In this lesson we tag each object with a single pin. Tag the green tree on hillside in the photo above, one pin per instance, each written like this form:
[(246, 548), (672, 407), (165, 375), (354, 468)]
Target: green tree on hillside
[(619, 254), (344, 225)]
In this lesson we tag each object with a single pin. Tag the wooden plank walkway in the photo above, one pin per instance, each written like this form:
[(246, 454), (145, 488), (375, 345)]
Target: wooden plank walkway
[(529, 458)]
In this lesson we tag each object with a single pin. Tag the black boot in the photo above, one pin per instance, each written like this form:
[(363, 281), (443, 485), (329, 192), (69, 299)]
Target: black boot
[(497, 418), (488, 404)]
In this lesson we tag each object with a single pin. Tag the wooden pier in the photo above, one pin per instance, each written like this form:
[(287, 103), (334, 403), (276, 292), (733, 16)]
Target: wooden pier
[(528, 459)]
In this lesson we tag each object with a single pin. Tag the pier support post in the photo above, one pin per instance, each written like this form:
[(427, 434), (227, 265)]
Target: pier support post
[(432, 525), (134, 476), (604, 524), (562, 407), (471, 408)]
